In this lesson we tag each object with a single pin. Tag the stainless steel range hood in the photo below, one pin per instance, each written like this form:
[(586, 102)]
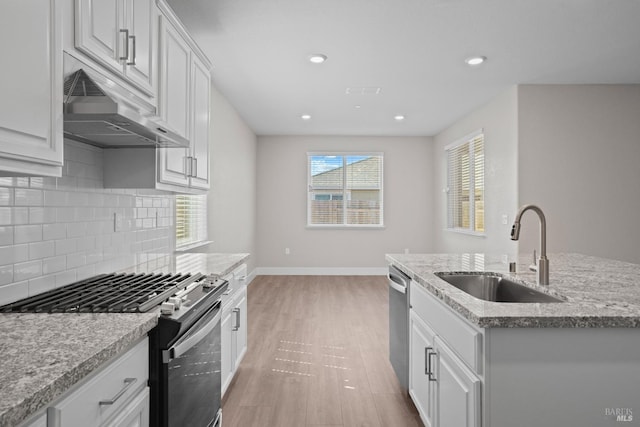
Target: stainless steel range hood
[(99, 112)]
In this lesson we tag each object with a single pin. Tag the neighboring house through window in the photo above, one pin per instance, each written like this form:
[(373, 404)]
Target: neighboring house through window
[(345, 189), (465, 184), (191, 220)]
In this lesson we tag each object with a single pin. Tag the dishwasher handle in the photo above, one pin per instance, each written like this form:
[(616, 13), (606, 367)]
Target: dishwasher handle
[(398, 283)]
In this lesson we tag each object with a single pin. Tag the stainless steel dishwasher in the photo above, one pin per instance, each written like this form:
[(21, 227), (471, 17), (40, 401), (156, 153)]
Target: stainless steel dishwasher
[(399, 324)]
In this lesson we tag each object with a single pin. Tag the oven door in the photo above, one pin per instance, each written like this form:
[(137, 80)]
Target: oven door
[(194, 378)]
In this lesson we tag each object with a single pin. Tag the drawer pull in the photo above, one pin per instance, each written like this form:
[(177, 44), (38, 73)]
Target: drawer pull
[(128, 382)]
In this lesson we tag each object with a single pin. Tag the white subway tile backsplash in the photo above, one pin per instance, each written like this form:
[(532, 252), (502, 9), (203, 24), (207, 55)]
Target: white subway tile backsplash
[(41, 250), (27, 270), (41, 284), (6, 196), (27, 233), (6, 275), (28, 197), (13, 292), (54, 264), (13, 254), (54, 231)]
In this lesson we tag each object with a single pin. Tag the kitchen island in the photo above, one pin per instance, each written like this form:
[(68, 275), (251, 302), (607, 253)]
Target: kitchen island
[(45, 355), (491, 364)]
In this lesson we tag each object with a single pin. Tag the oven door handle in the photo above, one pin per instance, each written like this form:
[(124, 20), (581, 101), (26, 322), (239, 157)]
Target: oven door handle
[(184, 345)]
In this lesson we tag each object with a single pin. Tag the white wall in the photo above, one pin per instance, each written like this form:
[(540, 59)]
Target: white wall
[(579, 159), (232, 197), (282, 202), (499, 120)]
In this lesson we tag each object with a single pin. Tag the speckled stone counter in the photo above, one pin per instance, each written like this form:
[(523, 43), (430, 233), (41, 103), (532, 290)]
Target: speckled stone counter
[(44, 355), (598, 293)]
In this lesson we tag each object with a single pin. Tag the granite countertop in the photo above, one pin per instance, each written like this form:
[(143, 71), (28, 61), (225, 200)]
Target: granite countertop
[(44, 355), (598, 293)]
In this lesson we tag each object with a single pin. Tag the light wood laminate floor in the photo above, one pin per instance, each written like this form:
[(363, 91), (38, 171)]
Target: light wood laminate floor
[(317, 356)]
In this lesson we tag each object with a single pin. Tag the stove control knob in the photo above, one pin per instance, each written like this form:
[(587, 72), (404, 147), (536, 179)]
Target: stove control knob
[(167, 308), (176, 301)]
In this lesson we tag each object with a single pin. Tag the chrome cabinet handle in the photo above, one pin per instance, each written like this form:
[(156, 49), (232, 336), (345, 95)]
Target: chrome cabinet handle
[(430, 373), (128, 382), (126, 45), (133, 44), (188, 165), (237, 312), (427, 364), (194, 166)]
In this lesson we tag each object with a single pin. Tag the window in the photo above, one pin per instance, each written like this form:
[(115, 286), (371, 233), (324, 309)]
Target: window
[(191, 220), (465, 184), (345, 190)]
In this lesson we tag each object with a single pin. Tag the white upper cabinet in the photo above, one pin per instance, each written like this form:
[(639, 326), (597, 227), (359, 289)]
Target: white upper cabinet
[(175, 63), (184, 105), (31, 140), (120, 35), (201, 94)]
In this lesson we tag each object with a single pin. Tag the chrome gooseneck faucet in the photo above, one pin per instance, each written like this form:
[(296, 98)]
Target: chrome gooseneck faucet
[(543, 261)]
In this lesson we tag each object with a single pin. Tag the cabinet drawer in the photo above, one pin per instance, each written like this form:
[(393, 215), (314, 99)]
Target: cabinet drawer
[(117, 382), (463, 339)]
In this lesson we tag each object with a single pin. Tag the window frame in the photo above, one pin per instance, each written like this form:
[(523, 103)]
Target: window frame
[(465, 140), (343, 190)]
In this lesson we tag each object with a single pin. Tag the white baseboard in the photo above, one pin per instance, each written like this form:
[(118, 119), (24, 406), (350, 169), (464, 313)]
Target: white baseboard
[(321, 271)]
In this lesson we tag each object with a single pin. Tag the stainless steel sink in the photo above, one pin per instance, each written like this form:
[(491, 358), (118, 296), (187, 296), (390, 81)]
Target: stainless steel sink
[(495, 287)]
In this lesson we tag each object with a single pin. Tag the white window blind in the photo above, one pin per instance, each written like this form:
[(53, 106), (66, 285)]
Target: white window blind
[(191, 220), (345, 190), (465, 184)]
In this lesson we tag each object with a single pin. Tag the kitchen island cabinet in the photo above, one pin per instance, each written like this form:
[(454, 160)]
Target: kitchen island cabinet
[(31, 141), (572, 363)]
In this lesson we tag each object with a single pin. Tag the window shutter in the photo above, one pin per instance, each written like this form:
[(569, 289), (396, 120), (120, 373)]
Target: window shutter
[(465, 180), (345, 190), (191, 220)]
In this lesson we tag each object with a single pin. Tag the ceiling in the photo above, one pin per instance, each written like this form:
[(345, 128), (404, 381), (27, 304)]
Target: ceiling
[(412, 50)]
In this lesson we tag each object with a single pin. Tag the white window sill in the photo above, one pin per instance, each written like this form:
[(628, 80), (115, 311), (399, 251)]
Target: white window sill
[(465, 231), (345, 227)]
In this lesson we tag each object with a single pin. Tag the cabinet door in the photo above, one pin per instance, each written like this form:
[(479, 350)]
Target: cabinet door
[(135, 414), (458, 390), (100, 31), (240, 327), (227, 365), (175, 62), (201, 90), (141, 18), (31, 86), (421, 389)]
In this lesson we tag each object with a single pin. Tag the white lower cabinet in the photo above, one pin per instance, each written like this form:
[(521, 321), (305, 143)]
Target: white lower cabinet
[(445, 390), (234, 325), (116, 396), (421, 389)]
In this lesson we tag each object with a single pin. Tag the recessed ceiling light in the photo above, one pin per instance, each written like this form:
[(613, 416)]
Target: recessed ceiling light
[(475, 60), (305, 117), (399, 117), (317, 58), (357, 107)]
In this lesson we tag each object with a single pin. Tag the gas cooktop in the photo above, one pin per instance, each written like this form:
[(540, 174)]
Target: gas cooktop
[(109, 293)]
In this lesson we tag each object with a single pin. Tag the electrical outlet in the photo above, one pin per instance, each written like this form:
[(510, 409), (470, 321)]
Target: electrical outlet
[(406, 250), (287, 251), (505, 259), (505, 219), (118, 222)]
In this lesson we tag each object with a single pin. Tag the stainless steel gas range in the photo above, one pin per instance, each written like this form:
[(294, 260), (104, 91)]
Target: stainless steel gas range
[(184, 348)]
